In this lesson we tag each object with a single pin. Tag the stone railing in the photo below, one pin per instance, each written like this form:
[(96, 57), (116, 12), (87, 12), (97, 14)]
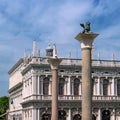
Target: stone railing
[(70, 97), (78, 62), (106, 98)]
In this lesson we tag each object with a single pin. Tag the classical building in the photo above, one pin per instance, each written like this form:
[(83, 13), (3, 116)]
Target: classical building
[(30, 87)]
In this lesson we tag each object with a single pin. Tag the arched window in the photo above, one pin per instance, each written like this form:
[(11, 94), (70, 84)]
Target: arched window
[(118, 87), (61, 86), (105, 87), (46, 116), (106, 115), (61, 115), (46, 86), (77, 117), (76, 86)]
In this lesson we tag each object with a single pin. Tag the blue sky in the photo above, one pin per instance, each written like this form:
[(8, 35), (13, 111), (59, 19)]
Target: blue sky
[(22, 21)]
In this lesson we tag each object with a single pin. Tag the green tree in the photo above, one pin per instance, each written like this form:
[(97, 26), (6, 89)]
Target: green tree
[(4, 105)]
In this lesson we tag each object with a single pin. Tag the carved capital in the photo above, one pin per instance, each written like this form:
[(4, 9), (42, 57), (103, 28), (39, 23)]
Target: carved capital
[(86, 39)]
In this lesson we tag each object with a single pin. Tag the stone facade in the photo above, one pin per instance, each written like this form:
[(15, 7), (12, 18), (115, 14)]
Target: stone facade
[(30, 89)]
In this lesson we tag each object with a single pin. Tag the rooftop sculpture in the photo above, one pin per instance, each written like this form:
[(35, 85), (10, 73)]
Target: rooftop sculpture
[(86, 27)]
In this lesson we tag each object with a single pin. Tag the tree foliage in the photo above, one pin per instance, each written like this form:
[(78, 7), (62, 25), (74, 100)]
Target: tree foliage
[(4, 105)]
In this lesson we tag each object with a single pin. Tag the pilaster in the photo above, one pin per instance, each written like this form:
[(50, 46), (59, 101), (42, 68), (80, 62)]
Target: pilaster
[(34, 84)]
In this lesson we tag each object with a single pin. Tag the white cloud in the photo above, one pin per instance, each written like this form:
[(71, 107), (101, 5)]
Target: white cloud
[(106, 7)]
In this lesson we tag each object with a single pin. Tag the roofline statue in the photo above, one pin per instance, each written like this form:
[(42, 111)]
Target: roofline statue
[(86, 27)]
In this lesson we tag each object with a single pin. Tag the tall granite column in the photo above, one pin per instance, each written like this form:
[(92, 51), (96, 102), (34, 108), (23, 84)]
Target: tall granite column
[(86, 41), (54, 63)]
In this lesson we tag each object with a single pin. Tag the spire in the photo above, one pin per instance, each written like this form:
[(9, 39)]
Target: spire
[(25, 57), (38, 52), (25, 54), (69, 54), (98, 55), (113, 57), (54, 51), (34, 49)]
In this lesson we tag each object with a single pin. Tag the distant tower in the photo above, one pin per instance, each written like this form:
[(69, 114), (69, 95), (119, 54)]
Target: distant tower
[(49, 51), (34, 49)]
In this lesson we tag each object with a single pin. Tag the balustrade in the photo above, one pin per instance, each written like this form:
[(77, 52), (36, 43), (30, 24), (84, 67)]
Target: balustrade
[(71, 97)]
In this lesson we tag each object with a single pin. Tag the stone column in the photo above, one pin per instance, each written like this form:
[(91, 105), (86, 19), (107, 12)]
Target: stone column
[(99, 114), (69, 114), (69, 86), (54, 63), (113, 86), (98, 86), (86, 40)]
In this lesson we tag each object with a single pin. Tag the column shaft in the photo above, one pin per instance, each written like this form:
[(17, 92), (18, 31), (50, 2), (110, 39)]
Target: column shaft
[(86, 84), (54, 95)]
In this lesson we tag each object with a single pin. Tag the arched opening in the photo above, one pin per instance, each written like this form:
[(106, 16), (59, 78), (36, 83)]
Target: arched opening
[(106, 115), (118, 87), (105, 87), (76, 86), (45, 86), (93, 117), (61, 86), (61, 115), (46, 116), (77, 117)]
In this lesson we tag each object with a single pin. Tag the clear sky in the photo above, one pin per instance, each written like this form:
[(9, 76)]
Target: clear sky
[(22, 21)]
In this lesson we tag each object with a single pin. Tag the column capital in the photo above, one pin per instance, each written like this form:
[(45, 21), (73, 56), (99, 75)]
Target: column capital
[(86, 39), (54, 62)]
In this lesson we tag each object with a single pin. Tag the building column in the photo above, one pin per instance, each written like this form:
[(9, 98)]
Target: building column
[(65, 87), (69, 86), (38, 85), (80, 87), (33, 84), (99, 114), (86, 40), (23, 92), (98, 86), (72, 87), (113, 87), (113, 116), (69, 114), (101, 86), (34, 114), (110, 87), (50, 87), (41, 86)]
